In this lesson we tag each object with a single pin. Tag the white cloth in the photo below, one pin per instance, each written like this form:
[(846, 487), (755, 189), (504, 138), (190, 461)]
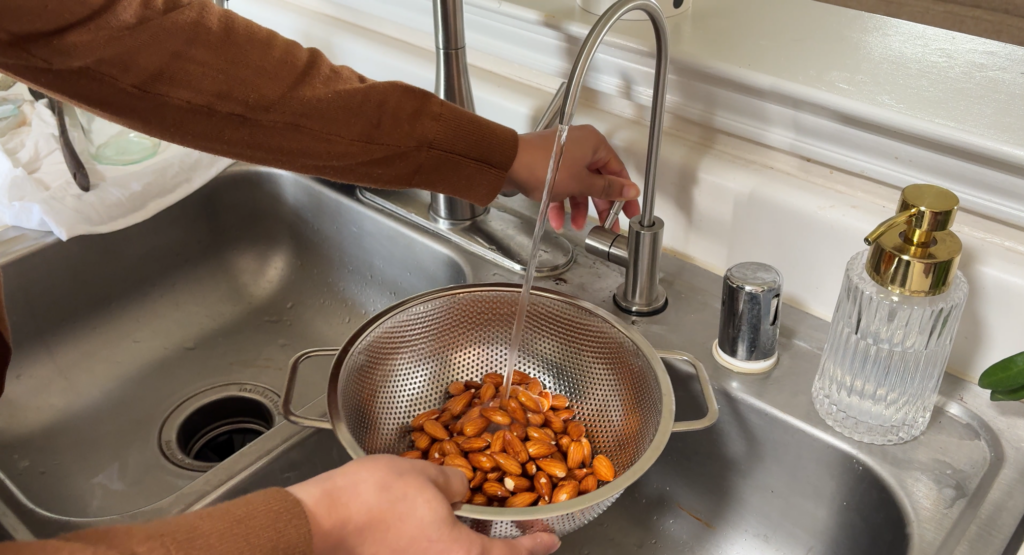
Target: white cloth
[(37, 192)]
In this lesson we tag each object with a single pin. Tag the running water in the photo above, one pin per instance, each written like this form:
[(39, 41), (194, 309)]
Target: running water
[(531, 266)]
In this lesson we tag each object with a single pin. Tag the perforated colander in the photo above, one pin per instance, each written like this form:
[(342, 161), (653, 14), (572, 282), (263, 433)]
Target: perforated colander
[(400, 363)]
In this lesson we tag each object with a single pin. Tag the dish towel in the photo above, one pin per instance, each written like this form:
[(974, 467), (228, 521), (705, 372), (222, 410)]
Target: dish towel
[(37, 192)]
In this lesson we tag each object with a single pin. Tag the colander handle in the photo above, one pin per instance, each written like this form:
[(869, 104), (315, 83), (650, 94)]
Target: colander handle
[(289, 389), (705, 386)]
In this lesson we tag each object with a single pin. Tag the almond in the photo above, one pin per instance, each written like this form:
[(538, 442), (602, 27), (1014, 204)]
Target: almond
[(517, 484), (545, 400), (494, 490), (483, 461), (534, 387), (564, 442), (519, 378), (565, 414), (470, 384), (552, 436), (417, 423), (576, 474), (475, 402), (473, 444), (479, 499), (435, 430), (508, 464), (542, 502), (487, 392), (534, 418), (515, 410), (498, 442), (458, 405), (494, 379), (458, 440), (495, 475), (530, 468), (588, 484), (414, 454), (435, 453), (566, 490), (515, 448), (534, 433), (528, 401), (438, 461), (554, 422), (603, 469), (558, 456), (475, 426), (445, 419), (559, 401), (518, 430), (487, 435), (553, 467), (518, 500), (497, 416), (540, 449), (460, 462), (449, 447), (575, 430), (574, 456), (456, 388), (421, 441), (588, 452), (467, 497), (542, 484), (479, 477)]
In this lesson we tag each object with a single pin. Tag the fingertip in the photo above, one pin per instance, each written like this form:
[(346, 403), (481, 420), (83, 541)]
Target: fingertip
[(630, 191), (541, 543)]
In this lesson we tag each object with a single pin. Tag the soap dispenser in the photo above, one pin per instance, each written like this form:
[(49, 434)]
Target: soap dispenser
[(894, 323)]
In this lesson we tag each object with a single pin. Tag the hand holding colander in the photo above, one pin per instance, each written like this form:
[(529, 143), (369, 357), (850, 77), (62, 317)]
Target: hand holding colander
[(400, 363)]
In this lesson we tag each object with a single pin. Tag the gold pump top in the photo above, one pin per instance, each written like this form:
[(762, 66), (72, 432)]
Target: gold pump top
[(914, 252)]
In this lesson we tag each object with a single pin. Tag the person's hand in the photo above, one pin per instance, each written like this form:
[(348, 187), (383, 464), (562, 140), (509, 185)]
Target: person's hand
[(383, 504), (590, 169)]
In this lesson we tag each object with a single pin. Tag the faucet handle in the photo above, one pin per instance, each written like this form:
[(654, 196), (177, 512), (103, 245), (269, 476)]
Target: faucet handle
[(613, 215)]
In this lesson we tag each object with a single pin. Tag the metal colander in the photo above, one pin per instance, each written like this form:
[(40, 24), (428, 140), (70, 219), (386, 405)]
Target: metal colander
[(400, 363)]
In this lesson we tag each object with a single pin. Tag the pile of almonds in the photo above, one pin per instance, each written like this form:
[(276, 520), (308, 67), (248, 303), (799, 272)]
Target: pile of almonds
[(517, 453)]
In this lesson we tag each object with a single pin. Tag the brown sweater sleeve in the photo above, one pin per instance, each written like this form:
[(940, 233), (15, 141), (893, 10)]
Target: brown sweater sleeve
[(196, 75), (269, 522)]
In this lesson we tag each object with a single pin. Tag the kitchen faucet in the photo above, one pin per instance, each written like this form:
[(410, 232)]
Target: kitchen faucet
[(641, 294), (502, 236)]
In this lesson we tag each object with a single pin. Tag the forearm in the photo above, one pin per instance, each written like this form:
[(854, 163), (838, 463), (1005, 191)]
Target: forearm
[(190, 73), (270, 522)]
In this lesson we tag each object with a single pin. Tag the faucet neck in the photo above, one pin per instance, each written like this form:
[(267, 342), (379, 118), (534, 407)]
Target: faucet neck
[(582, 63)]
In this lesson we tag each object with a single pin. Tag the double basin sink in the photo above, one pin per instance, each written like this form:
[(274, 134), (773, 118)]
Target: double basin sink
[(145, 356)]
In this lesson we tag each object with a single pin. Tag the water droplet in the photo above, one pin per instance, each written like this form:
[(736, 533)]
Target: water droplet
[(274, 319), (289, 305), (190, 346)]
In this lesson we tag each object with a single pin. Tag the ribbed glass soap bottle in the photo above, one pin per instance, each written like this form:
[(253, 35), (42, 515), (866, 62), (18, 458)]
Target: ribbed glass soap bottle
[(894, 323)]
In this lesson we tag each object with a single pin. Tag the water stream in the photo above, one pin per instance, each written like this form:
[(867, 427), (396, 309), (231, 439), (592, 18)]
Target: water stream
[(531, 267)]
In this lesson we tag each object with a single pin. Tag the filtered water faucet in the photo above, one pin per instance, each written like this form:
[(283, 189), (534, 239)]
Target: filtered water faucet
[(641, 294)]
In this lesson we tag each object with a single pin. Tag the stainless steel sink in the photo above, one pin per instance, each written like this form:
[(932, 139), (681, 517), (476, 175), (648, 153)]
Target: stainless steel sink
[(113, 331)]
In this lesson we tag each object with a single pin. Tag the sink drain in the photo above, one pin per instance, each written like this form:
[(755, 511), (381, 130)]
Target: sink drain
[(216, 423)]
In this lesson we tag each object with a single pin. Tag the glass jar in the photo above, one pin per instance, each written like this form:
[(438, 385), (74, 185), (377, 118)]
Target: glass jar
[(113, 145), (885, 357)]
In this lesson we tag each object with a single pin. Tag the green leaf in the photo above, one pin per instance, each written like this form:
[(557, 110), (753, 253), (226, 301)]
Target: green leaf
[(1005, 374), (1008, 394)]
